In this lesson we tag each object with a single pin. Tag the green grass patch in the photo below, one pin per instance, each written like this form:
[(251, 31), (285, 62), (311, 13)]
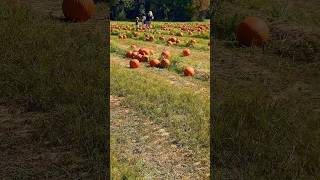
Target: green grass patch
[(262, 138), (184, 113), (51, 67)]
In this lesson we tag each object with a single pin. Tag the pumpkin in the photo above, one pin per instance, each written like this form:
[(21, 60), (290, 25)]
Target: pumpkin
[(134, 63), (144, 58), (144, 51), (169, 43), (173, 39), (252, 31), (154, 63), (188, 71), (140, 57), (166, 54), (78, 10), (186, 52), (135, 54), (136, 34), (165, 63), (129, 54), (151, 38)]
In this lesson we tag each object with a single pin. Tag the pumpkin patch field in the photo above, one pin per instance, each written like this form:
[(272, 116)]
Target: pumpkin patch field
[(160, 78)]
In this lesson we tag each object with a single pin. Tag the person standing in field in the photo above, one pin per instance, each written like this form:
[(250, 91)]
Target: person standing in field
[(143, 20), (137, 23), (148, 19)]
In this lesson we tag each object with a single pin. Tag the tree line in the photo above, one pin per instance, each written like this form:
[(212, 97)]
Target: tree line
[(163, 10)]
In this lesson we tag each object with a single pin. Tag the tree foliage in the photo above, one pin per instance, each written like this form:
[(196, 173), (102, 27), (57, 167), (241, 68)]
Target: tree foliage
[(173, 10)]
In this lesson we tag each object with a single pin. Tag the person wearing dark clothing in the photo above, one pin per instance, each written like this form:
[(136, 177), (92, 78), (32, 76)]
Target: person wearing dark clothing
[(149, 18)]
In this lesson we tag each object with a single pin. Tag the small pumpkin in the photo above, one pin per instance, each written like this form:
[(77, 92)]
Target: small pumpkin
[(164, 63), (144, 51), (154, 63), (144, 58), (140, 57), (129, 54), (135, 54), (188, 71), (133, 46), (134, 63), (166, 54), (186, 52), (169, 43)]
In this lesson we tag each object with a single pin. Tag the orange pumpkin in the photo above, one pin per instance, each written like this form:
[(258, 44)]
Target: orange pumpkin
[(144, 51), (252, 31), (139, 57), (135, 54), (154, 63), (189, 71), (165, 63), (129, 54), (136, 34), (133, 46), (78, 10), (186, 52), (144, 58), (134, 63), (169, 43), (166, 54)]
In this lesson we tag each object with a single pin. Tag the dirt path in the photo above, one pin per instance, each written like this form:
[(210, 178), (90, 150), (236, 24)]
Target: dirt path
[(24, 157), (143, 142)]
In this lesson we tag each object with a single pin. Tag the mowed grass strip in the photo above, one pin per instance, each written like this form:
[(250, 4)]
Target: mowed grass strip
[(184, 113)]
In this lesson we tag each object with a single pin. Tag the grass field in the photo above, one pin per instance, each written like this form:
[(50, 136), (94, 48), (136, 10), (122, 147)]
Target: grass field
[(179, 104), (266, 123), (55, 69)]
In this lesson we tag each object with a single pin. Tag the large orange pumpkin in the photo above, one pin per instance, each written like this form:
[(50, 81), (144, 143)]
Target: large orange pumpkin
[(129, 54), (188, 71), (252, 31), (134, 63), (78, 10), (154, 63), (144, 58), (166, 54), (186, 52), (165, 63)]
